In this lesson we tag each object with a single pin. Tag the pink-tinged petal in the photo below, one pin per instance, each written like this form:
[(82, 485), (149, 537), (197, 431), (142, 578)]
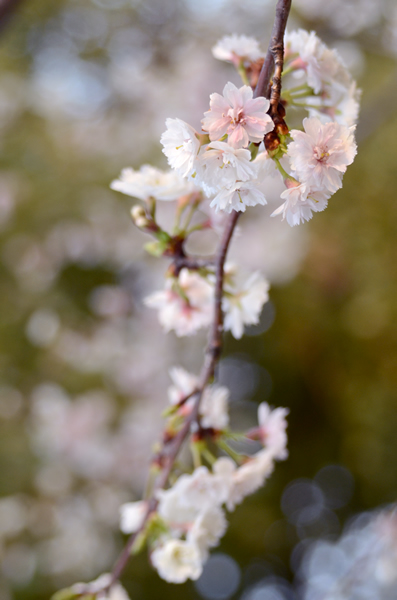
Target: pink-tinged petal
[(313, 127), (218, 103), (261, 105), (237, 137), (256, 128), (233, 95)]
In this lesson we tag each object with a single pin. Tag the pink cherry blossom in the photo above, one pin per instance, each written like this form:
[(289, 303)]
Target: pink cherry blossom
[(320, 155), (243, 118)]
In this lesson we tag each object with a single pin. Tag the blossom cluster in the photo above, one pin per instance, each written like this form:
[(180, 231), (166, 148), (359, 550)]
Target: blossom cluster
[(244, 142), (190, 517), (186, 303), (228, 161)]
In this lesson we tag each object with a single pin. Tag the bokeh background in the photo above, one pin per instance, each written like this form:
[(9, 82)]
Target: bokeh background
[(85, 88)]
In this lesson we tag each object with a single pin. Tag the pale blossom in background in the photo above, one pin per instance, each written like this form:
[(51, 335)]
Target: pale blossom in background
[(240, 47), (183, 384), (273, 427), (243, 300), (185, 305), (319, 62), (214, 403), (96, 588), (152, 182), (214, 407), (248, 478), (243, 118), (208, 528), (177, 560), (132, 516)]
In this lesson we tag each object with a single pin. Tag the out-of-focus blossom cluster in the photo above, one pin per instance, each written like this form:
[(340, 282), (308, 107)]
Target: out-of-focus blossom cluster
[(190, 518), (361, 564)]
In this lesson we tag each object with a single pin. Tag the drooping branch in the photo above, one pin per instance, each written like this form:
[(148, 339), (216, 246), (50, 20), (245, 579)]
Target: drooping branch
[(171, 448)]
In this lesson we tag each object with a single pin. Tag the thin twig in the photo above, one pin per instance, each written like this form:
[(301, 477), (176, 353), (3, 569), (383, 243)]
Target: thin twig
[(172, 447)]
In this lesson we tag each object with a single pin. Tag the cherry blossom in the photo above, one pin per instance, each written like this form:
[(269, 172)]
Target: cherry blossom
[(320, 155), (207, 529), (300, 203), (96, 589), (272, 425), (214, 403), (132, 516), (239, 115), (152, 182), (181, 146), (238, 197), (192, 494), (177, 560), (221, 165), (249, 477), (243, 301), (185, 305), (319, 62), (234, 48)]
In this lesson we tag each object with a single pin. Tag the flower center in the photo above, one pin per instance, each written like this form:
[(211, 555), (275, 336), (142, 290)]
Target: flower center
[(321, 154), (236, 115)]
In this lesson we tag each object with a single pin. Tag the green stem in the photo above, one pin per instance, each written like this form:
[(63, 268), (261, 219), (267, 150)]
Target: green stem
[(280, 168), (226, 448), (243, 73), (209, 457), (195, 450)]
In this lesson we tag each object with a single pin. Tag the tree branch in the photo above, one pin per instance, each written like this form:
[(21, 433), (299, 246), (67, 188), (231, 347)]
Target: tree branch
[(274, 57)]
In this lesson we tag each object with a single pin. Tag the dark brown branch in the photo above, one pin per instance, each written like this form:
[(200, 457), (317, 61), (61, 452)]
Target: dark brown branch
[(274, 57)]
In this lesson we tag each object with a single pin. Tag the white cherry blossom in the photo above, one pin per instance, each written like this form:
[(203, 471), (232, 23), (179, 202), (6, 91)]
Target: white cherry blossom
[(248, 478), (272, 425), (300, 203), (177, 560), (238, 197), (96, 589), (152, 182), (235, 47), (208, 528), (243, 118), (320, 155), (243, 301), (185, 305), (183, 384), (181, 146), (132, 516), (214, 403), (320, 63), (214, 407), (191, 494), (221, 165)]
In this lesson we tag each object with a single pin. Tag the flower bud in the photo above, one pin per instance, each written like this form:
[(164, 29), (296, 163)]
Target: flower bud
[(139, 216)]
